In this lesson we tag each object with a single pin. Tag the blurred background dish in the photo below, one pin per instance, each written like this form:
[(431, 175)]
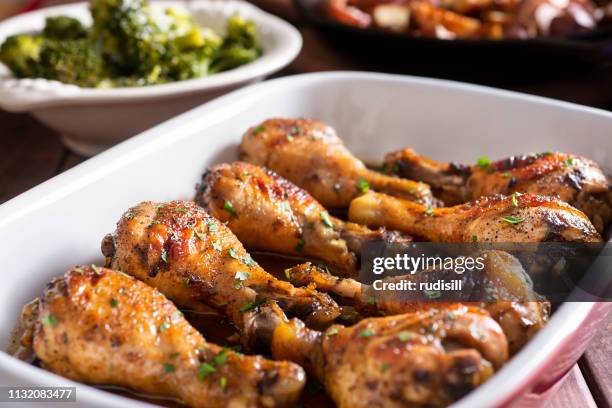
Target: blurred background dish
[(520, 47), (93, 119)]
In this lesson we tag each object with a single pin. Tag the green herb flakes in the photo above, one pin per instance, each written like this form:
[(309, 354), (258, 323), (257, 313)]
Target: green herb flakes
[(366, 333), (362, 185), (50, 320), (405, 335), (229, 207), (511, 219), (483, 162)]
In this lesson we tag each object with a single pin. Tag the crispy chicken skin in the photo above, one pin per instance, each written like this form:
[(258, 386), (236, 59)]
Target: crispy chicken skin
[(519, 310), (272, 214), (310, 154), (98, 326), (572, 178), (423, 359), (194, 259), (513, 219)]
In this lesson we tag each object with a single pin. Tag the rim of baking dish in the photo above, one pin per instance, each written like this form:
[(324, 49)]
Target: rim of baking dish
[(500, 389)]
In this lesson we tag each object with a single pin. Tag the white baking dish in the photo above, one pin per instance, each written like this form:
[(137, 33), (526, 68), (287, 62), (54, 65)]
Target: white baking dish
[(90, 120), (61, 222)]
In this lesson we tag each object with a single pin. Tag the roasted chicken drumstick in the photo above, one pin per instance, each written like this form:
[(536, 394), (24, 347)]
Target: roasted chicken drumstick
[(572, 178), (311, 155), (269, 213), (510, 298), (424, 359), (194, 259), (517, 219), (98, 326)]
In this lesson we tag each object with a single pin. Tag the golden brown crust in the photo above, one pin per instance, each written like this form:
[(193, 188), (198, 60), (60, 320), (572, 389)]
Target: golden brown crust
[(311, 155), (418, 359), (513, 219), (196, 260), (272, 214), (99, 326), (568, 177)]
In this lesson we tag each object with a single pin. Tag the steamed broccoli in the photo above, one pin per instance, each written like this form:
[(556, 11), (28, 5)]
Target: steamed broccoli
[(64, 28), (129, 36), (241, 32), (21, 54), (72, 61), (129, 46)]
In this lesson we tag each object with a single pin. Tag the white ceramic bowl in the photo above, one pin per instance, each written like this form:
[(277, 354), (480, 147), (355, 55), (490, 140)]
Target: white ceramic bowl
[(91, 120), (61, 222)]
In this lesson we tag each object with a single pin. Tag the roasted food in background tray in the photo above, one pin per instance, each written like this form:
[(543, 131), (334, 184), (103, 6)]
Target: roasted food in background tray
[(479, 19)]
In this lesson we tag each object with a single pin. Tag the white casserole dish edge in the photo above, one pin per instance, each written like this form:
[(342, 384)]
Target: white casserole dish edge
[(61, 222)]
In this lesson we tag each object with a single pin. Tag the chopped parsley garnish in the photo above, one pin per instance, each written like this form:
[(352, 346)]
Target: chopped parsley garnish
[(174, 355), (200, 236), (300, 245), (345, 317), (507, 174), (248, 261), (242, 276), (232, 253), (181, 210), (323, 268), (367, 333), (80, 271), (569, 161), (229, 207), (432, 294), (405, 335), (325, 219), (212, 226), (164, 256), (223, 383), (259, 129), (514, 199), (474, 238), (96, 269), (124, 274), (205, 370), (363, 185), (114, 303), (288, 273), (511, 219), (483, 162), (163, 327), (220, 358), (429, 211), (252, 305), (169, 368), (296, 130), (50, 320), (546, 153), (332, 332)]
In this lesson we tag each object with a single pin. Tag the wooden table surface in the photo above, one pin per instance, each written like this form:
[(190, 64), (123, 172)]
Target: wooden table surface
[(31, 153)]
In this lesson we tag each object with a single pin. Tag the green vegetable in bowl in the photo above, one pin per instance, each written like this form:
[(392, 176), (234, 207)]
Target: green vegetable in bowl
[(129, 45), (64, 28)]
